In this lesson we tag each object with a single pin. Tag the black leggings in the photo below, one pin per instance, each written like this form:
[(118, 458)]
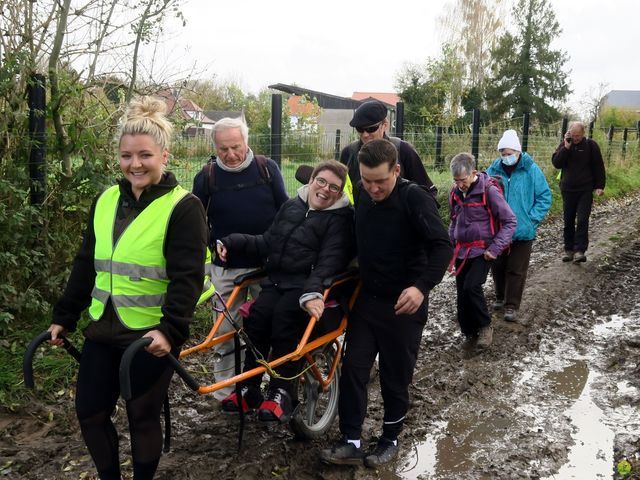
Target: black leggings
[(97, 393)]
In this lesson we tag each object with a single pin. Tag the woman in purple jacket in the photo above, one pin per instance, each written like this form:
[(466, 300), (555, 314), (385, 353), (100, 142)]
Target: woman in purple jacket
[(481, 227)]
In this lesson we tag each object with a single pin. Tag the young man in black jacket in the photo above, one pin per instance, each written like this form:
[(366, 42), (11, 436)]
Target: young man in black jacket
[(583, 174), (403, 252)]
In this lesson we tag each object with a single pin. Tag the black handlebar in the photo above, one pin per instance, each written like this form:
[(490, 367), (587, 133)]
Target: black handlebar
[(27, 362), (125, 368)]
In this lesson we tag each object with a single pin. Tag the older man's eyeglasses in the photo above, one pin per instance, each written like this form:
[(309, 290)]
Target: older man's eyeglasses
[(459, 181), (371, 129), (321, 182)]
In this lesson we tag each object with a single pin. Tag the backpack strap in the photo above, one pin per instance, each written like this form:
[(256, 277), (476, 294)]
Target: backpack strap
[(261, 161)]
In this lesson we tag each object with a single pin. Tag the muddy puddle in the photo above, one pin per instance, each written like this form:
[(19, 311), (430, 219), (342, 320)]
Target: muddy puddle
[(555, 389)]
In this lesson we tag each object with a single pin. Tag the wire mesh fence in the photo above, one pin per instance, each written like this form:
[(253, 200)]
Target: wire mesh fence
[(192, 154), (189, 154)]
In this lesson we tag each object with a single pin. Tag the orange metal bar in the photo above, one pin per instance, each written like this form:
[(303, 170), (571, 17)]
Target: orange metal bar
[(211, 339), (303, 348)]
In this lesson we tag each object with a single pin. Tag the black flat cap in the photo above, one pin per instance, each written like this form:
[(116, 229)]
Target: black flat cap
[(368, 114)]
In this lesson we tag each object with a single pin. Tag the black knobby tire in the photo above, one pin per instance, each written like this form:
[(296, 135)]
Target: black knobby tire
[(317, 409)]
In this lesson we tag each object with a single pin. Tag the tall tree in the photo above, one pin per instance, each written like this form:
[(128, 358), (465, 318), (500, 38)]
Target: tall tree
[(527, 75), (472, 28), (211, 94), (432, 91)]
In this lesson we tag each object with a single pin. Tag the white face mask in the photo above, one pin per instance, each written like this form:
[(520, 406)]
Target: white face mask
[(509, 160)]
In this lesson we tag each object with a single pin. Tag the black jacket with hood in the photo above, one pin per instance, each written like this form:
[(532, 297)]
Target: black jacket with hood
[(303, 246)]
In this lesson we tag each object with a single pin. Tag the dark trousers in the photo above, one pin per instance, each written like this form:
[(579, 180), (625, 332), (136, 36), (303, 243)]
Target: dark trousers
[(472, 306), (374, 329), (509, 272), (97, 391), (576, 212), (276, 323)]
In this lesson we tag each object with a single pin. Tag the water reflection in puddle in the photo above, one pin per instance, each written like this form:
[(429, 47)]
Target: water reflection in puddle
[(449, 452), (592, 454), (451, 449), (570, 381)]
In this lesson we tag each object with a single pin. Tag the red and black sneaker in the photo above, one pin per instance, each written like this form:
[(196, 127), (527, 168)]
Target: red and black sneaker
[(276, 407), (251, 399)]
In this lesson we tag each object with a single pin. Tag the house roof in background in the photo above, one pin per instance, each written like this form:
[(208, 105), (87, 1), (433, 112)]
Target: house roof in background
[(325, 100), (216, 115), (622, 98), (390, 98), (299, 106)]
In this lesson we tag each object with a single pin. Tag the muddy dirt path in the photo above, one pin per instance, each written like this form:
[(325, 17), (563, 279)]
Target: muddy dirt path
[(557, 396)]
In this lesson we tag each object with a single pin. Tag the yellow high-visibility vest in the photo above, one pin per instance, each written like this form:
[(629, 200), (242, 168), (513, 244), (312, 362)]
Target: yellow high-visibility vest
[(348, 189), (133, 271)]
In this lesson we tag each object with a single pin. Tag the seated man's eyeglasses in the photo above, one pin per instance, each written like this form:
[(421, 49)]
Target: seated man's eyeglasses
[(370, 129), (332, 186)]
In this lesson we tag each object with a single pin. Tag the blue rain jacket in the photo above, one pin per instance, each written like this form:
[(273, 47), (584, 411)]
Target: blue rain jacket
[(527, 193)]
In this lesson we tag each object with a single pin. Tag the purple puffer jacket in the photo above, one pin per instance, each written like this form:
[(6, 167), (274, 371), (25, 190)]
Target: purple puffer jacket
[(471, 223)]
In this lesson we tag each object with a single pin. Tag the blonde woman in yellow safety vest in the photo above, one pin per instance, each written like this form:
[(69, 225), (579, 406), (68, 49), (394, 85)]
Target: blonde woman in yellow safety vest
[(140, 271)]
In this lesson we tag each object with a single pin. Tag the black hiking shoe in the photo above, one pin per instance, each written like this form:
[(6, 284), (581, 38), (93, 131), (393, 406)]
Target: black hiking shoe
[(498, 304), (567, 256), (469, 343), (384, 452), (342, 453), (276, 407), (579, 257), (251, 399), (485, 337), (510, 314)]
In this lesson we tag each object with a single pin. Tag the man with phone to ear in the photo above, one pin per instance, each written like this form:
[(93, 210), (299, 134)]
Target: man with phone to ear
[(583, 174)]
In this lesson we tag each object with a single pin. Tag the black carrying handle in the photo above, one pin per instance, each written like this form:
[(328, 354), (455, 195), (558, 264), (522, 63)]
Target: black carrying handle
[(27, 362), (125, 368)]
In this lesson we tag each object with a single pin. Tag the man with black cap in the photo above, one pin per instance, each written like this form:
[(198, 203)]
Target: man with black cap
[(370, 121)]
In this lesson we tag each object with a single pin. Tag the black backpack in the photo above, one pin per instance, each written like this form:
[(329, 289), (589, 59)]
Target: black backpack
[(209, 172)]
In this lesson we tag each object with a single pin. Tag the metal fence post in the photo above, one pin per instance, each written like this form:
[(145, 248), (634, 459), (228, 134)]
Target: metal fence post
[(525, 132), (36, 96), (564, 128), (624, 142), (638, 139), (336, 152), (609, 142), (610, 134), (276, 128), (475, 135), (400, 120), (439, 159)]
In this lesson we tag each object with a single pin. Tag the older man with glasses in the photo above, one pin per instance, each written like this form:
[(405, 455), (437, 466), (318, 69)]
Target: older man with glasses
[(370, 121)]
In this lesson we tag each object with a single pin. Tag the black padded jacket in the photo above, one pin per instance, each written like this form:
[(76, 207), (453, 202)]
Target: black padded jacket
[(302, 247)]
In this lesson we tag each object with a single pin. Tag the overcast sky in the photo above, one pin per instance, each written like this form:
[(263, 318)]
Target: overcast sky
[(344, 46)]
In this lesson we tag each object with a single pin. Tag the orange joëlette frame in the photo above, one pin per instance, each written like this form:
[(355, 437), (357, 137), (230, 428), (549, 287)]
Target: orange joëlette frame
[(304, 347)]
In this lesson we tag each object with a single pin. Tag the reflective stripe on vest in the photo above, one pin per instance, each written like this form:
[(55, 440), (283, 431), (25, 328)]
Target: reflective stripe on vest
[(133, 272)]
